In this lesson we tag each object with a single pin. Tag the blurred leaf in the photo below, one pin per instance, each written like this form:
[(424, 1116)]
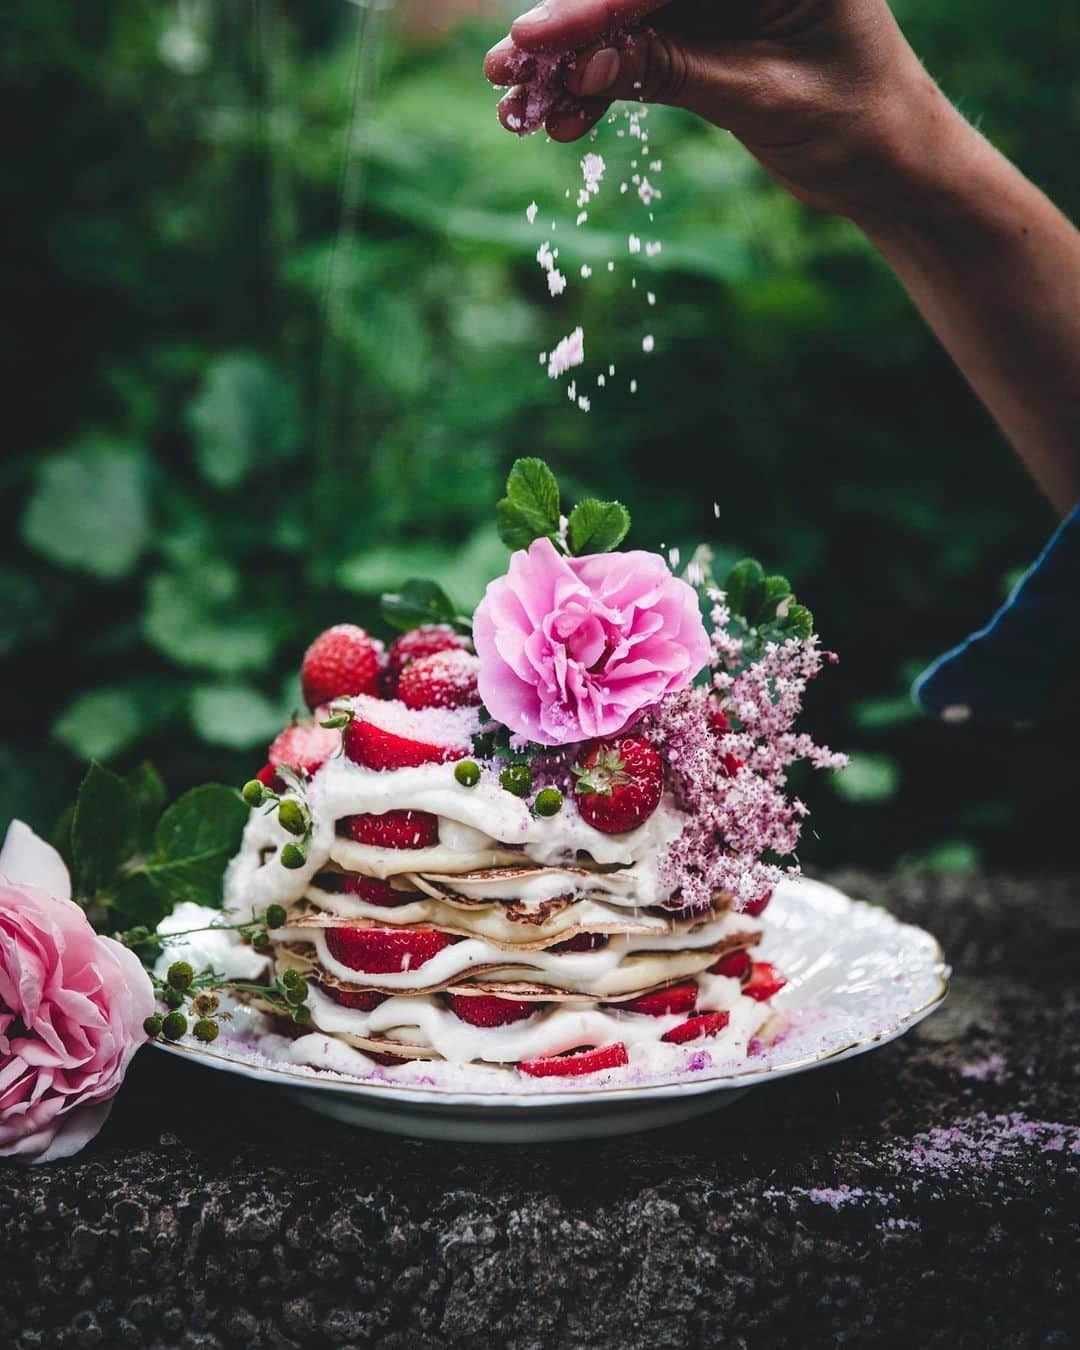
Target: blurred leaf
[(597, 527), (244, 416), (419, 602), (880, 714), (234, 715), (149, 792), (104, 831), (90, 508), (193, 843), (745, 588), (24, 612), (198, 618), (382, 569), (102, 723), (867, 779), (951, 855)]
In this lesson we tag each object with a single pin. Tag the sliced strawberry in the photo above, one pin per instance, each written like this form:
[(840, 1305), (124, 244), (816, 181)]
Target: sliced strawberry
[(377, 748), (396, 829), (363, 1000), (678, 998), (619, 784), (735, 965), (385, 951), (418, 643), (765, 980), (758, 906), (582, 942), (576, 1062), (485, 1010), (341, 662), (441, 680), (305, 747), (705, 1024), (377, 892), (267, 776)]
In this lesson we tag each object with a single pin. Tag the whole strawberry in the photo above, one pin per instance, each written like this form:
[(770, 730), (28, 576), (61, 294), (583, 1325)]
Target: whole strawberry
[(418, 643), (341, 662), (442, 680), (619, 784)]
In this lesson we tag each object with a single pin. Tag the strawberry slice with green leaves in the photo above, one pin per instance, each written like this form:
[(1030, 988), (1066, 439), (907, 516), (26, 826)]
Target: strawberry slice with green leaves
[(619, 784), (577, 1062)]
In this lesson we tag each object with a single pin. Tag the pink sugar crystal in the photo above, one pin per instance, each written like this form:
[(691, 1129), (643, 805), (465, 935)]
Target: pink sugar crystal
[(568, 352)]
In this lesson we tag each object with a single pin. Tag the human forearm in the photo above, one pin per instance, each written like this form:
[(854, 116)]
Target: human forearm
[(994, 268)]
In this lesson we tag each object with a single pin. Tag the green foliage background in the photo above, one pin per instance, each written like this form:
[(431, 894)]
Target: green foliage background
[(274, 316)]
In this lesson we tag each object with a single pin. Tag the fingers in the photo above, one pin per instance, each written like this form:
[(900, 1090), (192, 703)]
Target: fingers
[(652, 68), (506, 64), (565, 25), (570, 124)]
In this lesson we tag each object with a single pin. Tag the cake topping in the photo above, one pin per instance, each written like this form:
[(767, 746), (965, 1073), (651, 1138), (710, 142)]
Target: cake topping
[(340, 662)]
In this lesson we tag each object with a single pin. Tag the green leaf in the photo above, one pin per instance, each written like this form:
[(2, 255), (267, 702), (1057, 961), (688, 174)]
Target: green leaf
[(598, 527), (531, 505), (745, 589), (90, 508), (200, 618), (775, 591), (104, 830), (244, 415), (797, 622), (420, 601), (193, 843), (867, 779), (102, 723), (149, 791), (234, 715)]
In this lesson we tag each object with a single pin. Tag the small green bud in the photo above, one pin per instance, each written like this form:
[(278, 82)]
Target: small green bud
[(261, 941), (295, 996), (174, 1026), (253, 793), (292, 816), (517, 778), (548, 802), (301, 1015), (137, 936), (293, 856), (205, 1030), (467, 772), (152, 1025), (180, 975), (275, 916), (292, 979), (172, 997), (205, 1004)]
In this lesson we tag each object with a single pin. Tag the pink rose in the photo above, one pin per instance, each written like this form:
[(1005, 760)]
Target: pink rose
[(72, 1005), (573, 648)]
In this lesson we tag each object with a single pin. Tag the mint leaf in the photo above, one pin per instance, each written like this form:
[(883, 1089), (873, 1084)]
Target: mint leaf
[(530, 508), (774, 592), (745, 589), (104, 830), (192, 845), (149, 792), (420, 601), (597, 527)]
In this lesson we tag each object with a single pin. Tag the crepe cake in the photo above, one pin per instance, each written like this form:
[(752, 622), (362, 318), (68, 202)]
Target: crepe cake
[(440, 915)]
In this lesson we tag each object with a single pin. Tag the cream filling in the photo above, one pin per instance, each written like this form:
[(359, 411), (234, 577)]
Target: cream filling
[(627, 963), (430, 1023)]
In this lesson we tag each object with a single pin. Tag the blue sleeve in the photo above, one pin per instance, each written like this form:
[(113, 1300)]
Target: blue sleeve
[(1027, 658)]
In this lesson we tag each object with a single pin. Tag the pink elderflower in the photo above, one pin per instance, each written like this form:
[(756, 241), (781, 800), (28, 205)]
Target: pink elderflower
[(728, 747)]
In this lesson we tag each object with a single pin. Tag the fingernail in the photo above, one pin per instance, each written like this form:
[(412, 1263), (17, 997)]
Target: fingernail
[(601, 71), (541, 13)]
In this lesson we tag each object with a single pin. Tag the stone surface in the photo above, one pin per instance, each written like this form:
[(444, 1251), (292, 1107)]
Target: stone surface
[(923, 1195)]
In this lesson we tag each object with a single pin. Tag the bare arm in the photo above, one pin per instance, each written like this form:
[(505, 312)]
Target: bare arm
[(830, 98)]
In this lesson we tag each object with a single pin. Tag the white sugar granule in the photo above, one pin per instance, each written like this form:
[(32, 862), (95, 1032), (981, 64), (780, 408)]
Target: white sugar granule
[(600, 380), (611, 267), (543, 358), (592, 170), (647, 343), (656, 165), (651, 297), (582, 217), (651, 250), (583, 403), (633, 386), (530, 212), (634, 244), (569, 352), (611, 368), (647, 192), (586, 271), (556, 281)]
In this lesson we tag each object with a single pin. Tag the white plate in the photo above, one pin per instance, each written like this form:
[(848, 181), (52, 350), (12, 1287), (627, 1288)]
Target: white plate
[(857, 978)]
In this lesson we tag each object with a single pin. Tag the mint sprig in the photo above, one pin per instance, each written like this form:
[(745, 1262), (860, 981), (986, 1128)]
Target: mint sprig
[(532, 510)]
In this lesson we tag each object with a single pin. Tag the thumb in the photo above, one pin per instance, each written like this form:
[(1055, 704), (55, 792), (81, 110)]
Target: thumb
[(646, 66)]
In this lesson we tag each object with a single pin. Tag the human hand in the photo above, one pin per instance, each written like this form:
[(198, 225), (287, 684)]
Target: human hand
[(826, 94)]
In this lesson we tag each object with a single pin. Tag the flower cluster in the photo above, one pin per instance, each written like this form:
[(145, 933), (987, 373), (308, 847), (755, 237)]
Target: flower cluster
[(728, 747)]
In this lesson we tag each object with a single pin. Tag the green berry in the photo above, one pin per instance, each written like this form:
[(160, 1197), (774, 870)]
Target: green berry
[(467, 772), (517, 778), (174, 1026), (261, 941), (292, 979), (180, 975), (295, 996), (301, 1015), (275, 916), (548, 802), (253, 793), (172, 997), (293, 856), (152, 1025), (292, 816), (205, 1030)]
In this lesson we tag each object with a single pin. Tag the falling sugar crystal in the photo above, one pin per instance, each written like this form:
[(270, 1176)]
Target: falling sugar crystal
[(556, 281), (611, 267), (647, 192), (650, 296), (634, 244), (586, 271), (569, 352), (651, 250), (583, 403), (633, 386), (647, 343), (592, 170), (582, 217), (530, 212)]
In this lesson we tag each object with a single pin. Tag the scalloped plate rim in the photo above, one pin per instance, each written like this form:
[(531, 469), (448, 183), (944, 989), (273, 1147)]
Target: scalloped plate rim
[(738, 1080)]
